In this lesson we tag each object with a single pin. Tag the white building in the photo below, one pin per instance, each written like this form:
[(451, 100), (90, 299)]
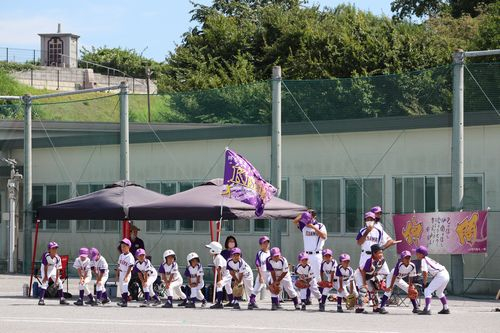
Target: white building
[(402, 163), (59, 49)]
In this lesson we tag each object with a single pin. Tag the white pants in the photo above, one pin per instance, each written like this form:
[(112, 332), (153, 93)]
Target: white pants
[(346, 289), (315, 261), (149, 284), (438, 284), (313, 286), (287, 285), (196, 291), (85, 285), (363, 257), (45, 284), (398, 282), (257, 288), (175, 288), (123, 285), (225, 283), (101, 286), (248, 282)]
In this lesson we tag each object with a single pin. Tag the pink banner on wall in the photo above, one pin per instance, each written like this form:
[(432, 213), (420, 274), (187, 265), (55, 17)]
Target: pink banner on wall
[(443, 232)]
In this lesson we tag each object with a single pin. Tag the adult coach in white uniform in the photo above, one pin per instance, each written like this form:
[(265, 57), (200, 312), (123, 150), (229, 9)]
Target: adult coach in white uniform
[(314, 235)]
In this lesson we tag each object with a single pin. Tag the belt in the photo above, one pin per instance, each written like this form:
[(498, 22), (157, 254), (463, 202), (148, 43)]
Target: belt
[(313, 252), (367, 252)]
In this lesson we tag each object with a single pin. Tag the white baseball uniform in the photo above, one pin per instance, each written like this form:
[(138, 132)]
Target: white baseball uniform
[(260, 263), (306, 273), (438, 273), (372, 269), (400, 271), (346, 275), (124, 262), (193, 273), (327, 269), (241, 267), (225, 278), (101, 267), (376, 236), (313, 245), (53, 264), (84, 266), (279, 267), (172, 273), (147, 267)]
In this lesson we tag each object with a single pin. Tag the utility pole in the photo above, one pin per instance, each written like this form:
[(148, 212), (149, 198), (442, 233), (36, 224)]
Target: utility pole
[(28, 184), (276, 147), (148, 77), (124, 133)]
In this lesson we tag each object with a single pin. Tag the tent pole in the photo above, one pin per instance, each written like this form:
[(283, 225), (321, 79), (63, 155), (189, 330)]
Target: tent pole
[(33, 257), (211, 230), (126, 229)]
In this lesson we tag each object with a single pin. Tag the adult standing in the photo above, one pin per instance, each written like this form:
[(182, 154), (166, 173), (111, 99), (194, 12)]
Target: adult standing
[(229, 244), (377, 210), (137, 243), (314, 235)]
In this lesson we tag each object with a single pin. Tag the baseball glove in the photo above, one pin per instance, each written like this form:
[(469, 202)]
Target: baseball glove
[(325, 284), (412, 292), (274, 288), (350, 301), (301, 284), (238, 290)]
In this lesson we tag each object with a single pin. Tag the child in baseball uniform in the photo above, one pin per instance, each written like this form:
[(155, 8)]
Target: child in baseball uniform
[(306, 274), (194, 273), (223, 277), (82, 265), (101, 272), (277, 266), (126, 262), (403, 269), (50, 269), (327, 276), (262, 277), (344, 280), (147, 275), (172, 278), (241, 273), (440, 278), (366, 276)]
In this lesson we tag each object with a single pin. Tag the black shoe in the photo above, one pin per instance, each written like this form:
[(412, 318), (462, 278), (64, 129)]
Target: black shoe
[(106, 301), (308, 302), (204, 303), (237, 306), (274, 307), (376, 310), (361, 311), (279, 306), (89, 302), (96, 303), (228, 305), (167, 305), (252, 306), (339, 309), (144, 304), (303, 307), (217, 306), (122, 304), (183, 303), (424, 312), (298, 307), (79, 302), (444, 311), (321, 307), (190, 306), (383, 311), (63, 302), (415, 310), (41, 302), (156, 302)]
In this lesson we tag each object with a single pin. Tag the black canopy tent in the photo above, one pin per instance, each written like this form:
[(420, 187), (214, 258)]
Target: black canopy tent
[(125, 200)]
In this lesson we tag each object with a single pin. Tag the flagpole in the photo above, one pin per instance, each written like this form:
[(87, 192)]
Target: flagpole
[(276, 148)]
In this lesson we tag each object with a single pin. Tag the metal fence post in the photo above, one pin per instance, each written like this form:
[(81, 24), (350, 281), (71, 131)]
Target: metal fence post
[(276, 147)]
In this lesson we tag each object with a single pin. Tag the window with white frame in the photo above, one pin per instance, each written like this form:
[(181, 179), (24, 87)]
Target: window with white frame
[(94, 225), (422, 194), (341, 202), (49, 194)]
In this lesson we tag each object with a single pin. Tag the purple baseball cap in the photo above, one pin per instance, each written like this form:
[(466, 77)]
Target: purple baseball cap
[(140, 252), (405, 254), (275, 251), (236, 250), (94, 253), (370, 215), (376, 209), (327, 252), (344, 257), (422, 250), (52, 245), (306, 217), (126, 241), (302, 256), (263, 239), (84, 252)]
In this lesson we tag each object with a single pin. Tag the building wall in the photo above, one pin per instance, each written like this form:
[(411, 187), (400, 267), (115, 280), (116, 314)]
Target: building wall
[(348, 155)]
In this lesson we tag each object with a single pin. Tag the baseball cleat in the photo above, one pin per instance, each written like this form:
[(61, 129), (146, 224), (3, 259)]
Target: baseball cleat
[(144, 304), (321, 307), (97, 303), (415, 310), (217, 306), (308, 301), (383, 311), (167, 305), (79, 302), (297, 307), (190, 306), (156, 302), (122, 304), (106, 301), (89, 302), (444, 311), (339, 309), (424, 312), (252, 306), (274, 307), (63, 302), (361, 310), (303, 307), (41, 302), (237, 306), (377, 310), (183, 303), (204, 304)]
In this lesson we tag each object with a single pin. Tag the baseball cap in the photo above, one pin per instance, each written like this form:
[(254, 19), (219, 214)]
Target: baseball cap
[(306, 217), (405, 254), (84, 252), (94, 253), (52, 245), (236, 250), (126, 241), (327, 252), (422, 250), (344, 257), (139, 252), (275, 251), (376, 209), (263, 239), (370, 215), (302, 256)]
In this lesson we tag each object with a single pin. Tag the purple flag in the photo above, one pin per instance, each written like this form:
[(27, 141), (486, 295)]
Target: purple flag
[(244, 183)]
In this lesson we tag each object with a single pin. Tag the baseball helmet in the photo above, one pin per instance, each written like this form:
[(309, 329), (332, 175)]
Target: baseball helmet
[(344, 257), (422, 250), (191, 256), (52, 245), (327, 252), (375, 248), (215, 247), (168, 253)]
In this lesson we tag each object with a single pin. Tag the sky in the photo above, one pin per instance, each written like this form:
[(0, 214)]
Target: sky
[(152, 27)]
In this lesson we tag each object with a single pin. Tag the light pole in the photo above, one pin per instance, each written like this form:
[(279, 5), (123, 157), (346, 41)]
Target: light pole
[(148, 77)]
